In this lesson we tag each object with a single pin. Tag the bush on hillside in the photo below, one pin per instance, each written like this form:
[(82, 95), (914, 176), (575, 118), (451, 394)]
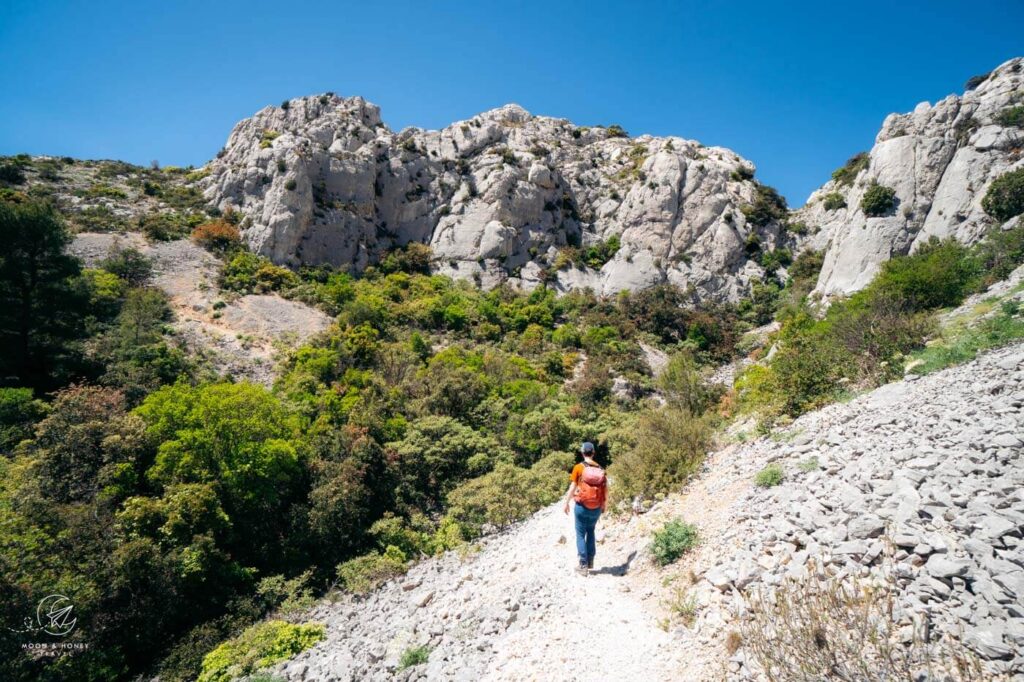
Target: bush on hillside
[(661, 452), (366, 573), (673, 540), (257, 647), (974, 81), (413, 656), (488, 501), (1011, 116), (1000, 253), (878, 200), (218, 236), (803, 273), (939, 274), (768, 205), (833, 201), (413, 258), (1005, 196), (769, 477), (248, 273), (682, 385), (849, 171), (164, 227), (12, 174)]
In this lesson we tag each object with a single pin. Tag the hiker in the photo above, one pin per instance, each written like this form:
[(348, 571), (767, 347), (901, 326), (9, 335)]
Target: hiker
[(589, 488)]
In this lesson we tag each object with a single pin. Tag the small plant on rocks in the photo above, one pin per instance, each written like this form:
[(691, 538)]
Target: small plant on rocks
[(769, 477), (414, 656), (673, 540), (878, 200), (810, 464)]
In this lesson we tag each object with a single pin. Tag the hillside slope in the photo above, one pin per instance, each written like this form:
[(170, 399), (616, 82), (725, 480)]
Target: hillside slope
[(930, 468)]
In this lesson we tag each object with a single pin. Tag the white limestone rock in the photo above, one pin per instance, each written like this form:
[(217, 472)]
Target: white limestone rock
[(940, 160)]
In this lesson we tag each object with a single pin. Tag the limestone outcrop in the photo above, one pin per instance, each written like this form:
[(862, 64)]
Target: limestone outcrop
[(505, 195), (510, 196), (939, 159)]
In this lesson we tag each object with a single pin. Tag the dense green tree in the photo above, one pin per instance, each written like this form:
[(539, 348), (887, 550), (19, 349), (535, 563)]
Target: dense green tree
[(436, 454), (41, 299)]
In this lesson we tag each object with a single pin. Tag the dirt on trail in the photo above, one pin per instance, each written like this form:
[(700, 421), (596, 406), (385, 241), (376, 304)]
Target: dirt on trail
[(239, 336)]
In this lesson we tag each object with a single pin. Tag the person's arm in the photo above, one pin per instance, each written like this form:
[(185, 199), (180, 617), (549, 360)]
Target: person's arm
[(568, 496)]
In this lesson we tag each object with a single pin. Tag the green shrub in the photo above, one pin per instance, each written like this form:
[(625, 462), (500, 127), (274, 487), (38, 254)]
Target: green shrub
[(18, 412), (248, 273), (566, 336), (806, 267), (853, 166), (596, 255), (368, 572), (413, 258), (485, 501), (775, 259), (290, 184), (1011, 116), (673, 540), (878, 200), (834, 201), (615, 130), (768, 205), (129, 264), (1005, 196), (1000, 253), (682, 385), (267, 138), (164, 227), (769, 477), (12, 174), (974, 81), (414, 656), (661, 452), (939, 274), (810, 464), (742, 172), (259, 646)]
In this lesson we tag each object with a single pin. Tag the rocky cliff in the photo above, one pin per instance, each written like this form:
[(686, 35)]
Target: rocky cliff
[(939, 159), (497, 197), (507, 195)]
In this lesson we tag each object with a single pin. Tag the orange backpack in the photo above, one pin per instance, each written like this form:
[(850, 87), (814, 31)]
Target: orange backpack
[(590, 487)]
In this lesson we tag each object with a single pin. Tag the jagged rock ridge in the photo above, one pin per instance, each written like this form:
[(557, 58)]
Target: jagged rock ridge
[(496, 197), (499, 196)]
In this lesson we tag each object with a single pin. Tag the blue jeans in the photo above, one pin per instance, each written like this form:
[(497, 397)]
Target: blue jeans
[(586, 543)]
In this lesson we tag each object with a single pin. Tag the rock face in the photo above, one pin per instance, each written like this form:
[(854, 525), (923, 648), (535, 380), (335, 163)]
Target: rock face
[(940, 160), (496, 197)]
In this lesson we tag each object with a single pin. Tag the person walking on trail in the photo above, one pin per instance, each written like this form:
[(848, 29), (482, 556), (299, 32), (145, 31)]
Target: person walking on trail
[(588, 487)]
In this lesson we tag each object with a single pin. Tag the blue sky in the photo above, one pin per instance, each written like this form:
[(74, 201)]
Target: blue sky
[(795, 87)]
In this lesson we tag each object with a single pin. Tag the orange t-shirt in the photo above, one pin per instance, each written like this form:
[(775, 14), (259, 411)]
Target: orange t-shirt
[(577, 471)]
